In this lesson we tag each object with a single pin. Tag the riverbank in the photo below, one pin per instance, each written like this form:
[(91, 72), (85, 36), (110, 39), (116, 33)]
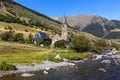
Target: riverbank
[(36, 67)]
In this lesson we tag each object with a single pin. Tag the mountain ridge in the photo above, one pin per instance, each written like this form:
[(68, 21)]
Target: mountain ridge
[(96, 25)]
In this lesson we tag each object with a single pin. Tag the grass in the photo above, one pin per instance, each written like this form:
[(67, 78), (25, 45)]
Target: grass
[(15, 53), (18, 28)]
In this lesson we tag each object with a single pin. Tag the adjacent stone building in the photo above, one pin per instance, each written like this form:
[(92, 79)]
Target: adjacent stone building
[(41, 35)]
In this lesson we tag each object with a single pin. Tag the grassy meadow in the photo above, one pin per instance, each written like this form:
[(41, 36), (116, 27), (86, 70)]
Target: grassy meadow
[(15, 53)]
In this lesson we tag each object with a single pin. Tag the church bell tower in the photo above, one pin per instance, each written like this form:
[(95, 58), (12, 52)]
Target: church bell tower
[(64, 29)]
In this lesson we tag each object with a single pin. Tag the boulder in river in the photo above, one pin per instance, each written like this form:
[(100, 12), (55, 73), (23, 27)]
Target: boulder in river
[(97, 57), (45, 72), (27, 74), (1, 75), (102, 69), (71, 64), (106, 61)]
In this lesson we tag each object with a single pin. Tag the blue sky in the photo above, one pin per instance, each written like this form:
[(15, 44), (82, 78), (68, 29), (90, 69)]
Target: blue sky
[(109, 9)]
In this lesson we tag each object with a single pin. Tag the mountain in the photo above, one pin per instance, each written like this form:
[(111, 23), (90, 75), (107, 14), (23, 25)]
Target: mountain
[(14, 15), (96, 25), (24, 20), (20, 19)]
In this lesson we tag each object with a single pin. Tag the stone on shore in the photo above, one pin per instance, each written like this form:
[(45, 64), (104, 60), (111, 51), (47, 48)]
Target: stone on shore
[(57, 57), (66, 60), (27, 75), (48, 68)]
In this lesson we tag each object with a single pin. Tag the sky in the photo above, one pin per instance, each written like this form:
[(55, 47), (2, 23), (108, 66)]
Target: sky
[(109, 9)]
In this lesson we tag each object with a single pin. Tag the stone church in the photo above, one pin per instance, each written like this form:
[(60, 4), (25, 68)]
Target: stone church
[(64, 32)]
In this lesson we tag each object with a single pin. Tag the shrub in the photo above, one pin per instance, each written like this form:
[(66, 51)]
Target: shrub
[(44, 42), (7, 36), (10, 28), (60, 44), (99, 45), (5, 28), (80, 44), (26, 30), (103, 43), (19, 38), (115, 45), (6, 66), (29, 39)]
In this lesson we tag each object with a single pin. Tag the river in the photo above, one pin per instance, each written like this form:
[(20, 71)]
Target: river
[(87, 70)]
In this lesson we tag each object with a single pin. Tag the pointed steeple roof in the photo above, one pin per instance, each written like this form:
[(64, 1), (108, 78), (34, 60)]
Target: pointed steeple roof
[(64, 20)]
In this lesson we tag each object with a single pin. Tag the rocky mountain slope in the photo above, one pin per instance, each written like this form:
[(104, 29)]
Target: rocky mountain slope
[(95, 25), (12, 12)]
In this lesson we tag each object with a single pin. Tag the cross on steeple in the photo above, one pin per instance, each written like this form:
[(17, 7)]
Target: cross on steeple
[(64, 20)]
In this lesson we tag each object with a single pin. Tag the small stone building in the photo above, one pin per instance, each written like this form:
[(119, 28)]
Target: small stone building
[(41, 35)]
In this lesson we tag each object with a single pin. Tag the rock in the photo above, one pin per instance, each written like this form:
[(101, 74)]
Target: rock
[(66, 60), (85, 59), (72, 64), (116, 56), (47, 68), (106, 61), (96, 57), (114, 50), (102, 69), (117, 61), (27, 74), (109, 54), (45, 72), (57, 56), (76, 67), (1, 75)]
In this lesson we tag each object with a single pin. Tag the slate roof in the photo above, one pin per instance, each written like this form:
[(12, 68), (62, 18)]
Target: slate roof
[(41, 35)]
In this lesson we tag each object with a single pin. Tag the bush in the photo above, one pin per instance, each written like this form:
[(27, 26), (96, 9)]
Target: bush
[(115, 45), (26, 30), (29, 39), (7, 36), (103, 43), (60, 44), (80, 44), (99, 45), (44, 42), (5, 66), (19, 38)]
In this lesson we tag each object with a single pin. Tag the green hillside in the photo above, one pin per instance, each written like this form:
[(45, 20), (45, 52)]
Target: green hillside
[(16, 13)]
